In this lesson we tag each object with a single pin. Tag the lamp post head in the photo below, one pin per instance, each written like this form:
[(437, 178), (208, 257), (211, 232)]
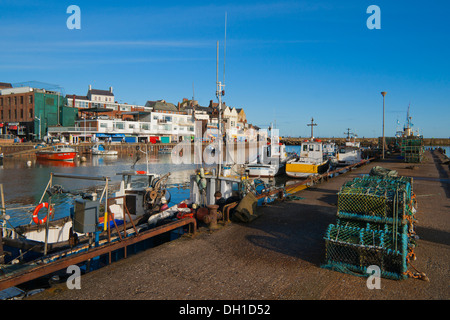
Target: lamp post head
[(383, 93)]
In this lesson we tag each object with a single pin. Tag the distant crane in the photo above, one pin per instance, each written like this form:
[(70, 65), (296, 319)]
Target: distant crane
[(408, 118)]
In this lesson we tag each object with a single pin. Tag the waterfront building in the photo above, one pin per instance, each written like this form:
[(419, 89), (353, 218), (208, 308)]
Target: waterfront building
[(96, 100), (28, 111), (33, 112), (156, 121)]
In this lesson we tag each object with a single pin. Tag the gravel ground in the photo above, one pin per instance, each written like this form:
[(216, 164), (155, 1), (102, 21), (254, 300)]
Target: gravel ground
[(278, 255)]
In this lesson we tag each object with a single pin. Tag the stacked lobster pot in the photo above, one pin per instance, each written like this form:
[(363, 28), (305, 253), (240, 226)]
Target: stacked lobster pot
[(374, 227)]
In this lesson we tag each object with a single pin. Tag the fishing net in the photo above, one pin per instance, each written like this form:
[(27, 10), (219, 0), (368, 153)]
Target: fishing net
[(374, 226), (412, 149), (377, 199)]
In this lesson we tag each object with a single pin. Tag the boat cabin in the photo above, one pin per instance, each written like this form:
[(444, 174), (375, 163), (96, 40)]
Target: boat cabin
[(312, 149)]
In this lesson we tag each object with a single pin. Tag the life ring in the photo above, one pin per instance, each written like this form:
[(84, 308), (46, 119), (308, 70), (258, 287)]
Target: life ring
[(36, 211)]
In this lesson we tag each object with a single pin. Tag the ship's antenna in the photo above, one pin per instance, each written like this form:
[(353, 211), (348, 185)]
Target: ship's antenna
[(217, 66), (225, 48)]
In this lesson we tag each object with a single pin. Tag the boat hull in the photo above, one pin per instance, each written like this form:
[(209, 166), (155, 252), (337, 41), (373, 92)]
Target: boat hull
[(304, 170), (62, 156), (264, 170)]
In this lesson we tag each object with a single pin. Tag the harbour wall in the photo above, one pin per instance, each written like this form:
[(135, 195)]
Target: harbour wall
[(17, 149), (365, 142)]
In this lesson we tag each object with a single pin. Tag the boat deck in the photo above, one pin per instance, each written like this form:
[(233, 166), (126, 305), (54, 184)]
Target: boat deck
[(278, 255)]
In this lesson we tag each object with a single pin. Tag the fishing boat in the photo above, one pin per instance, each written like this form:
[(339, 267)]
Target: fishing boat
[(136, 212), (272, 163), (311, 159), (329, 149), (99, 150), (349, 153), (309, 162), (57, 153)]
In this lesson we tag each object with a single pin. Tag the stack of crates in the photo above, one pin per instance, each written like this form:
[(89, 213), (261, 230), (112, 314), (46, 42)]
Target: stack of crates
[(412, 149), (374, 226)]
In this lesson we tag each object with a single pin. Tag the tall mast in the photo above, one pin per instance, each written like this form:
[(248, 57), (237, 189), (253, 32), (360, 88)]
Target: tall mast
[(348, 134), (312, 125), (219, 93)]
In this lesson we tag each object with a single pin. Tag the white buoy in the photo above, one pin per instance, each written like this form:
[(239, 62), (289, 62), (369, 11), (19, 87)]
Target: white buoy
[(83, 159), (29, 163)]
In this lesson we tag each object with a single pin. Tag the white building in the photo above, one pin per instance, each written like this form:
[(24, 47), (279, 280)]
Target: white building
[(157, 120)]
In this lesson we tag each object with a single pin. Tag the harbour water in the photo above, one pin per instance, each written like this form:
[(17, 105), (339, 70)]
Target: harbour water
[(24, 182), (24, 179)]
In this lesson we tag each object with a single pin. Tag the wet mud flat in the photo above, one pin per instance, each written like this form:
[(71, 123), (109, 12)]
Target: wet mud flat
[(278, 256)]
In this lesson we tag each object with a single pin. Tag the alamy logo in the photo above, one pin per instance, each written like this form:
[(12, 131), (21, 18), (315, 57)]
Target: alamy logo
[(74, 21), (74, 281), (374, 280), (257, 146), (374, 21)]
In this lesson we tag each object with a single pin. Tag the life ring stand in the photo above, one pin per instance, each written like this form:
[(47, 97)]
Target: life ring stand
[(36, 212)]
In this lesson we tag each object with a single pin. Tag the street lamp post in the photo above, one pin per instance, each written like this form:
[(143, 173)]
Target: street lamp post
[(383, 93)]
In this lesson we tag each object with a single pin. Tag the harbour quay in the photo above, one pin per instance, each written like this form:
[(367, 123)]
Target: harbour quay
[(280, 254)]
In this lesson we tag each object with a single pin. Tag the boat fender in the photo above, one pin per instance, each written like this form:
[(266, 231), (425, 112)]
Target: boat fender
[(36, 211)]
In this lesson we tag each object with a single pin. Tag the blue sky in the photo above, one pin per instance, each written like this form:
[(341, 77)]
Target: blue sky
[(286, 61)]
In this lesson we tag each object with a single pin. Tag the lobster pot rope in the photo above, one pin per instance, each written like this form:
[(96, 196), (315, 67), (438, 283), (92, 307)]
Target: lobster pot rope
[(374, 226)]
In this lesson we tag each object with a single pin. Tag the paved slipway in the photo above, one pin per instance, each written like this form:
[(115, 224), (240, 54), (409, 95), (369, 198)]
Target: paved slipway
[(278, 255)]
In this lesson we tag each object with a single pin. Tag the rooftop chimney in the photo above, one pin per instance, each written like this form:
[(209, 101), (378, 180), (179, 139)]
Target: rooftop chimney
[(111, 89), (90, 87)]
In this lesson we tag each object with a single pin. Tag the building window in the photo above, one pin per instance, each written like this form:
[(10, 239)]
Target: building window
[(21, 114), (30, 99), (31, 113), (21, 99)]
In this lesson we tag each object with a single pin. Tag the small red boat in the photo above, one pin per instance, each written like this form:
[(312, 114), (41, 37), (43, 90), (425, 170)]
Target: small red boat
[(57, 153)]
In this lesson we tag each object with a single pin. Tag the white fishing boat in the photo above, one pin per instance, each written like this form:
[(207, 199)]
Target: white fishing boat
[(99, 150), (349, 153), (329, 149), (271, 164)]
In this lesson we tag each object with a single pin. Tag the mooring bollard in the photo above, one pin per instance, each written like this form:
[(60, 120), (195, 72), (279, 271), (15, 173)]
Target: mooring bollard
[(211, 218)]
